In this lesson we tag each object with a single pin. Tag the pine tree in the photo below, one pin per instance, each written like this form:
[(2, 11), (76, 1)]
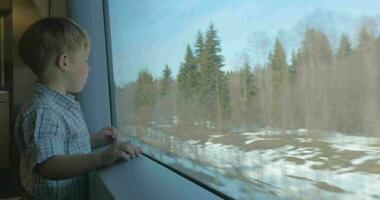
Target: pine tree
[(144, 92), (224, 99), (213, 87), (246, 81), (278, 66), (279, 75), (315, 49), (325, 49), (344, 49), (247, 90), (188, 76), (144, 97), (198, 46), (365, 40), (166, 81), (293, 66)]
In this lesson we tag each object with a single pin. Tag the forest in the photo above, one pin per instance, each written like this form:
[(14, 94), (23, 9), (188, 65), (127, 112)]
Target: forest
[(318, 88)]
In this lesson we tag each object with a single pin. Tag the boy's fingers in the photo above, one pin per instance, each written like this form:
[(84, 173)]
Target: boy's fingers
[(136, 150), (123, 147), (124, 155), (140, 152), (131, 151), (112, 132)]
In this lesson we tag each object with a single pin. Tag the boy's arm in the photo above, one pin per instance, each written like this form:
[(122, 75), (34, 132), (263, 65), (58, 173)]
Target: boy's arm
[(67, 166)]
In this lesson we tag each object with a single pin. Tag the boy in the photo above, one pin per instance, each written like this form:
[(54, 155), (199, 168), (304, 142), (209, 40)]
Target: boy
[(51, 134)]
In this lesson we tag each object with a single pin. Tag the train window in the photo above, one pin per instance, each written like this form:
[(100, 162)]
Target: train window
[(275, 99)]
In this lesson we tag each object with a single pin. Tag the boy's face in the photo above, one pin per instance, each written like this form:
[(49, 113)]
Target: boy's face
[(78, 71)]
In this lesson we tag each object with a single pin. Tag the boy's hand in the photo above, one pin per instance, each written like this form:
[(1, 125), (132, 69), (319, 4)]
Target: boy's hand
[(119, 150), (105, 135)]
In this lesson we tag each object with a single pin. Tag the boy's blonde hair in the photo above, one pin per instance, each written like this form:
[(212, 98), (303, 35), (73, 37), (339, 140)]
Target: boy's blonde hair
[(48, 38)]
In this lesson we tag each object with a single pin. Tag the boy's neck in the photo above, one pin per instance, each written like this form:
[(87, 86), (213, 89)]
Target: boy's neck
[(54, 85)]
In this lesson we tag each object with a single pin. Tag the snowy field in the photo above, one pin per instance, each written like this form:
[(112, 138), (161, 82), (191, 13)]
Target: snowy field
[(273, 164)]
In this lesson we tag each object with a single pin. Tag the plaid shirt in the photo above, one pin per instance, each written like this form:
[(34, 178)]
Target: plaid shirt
[(51, 124)]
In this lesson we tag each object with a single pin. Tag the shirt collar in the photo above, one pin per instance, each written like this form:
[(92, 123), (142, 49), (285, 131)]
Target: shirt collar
[(66, 101)]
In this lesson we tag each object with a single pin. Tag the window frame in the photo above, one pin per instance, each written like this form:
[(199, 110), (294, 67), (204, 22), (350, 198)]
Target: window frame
[(111, 82)]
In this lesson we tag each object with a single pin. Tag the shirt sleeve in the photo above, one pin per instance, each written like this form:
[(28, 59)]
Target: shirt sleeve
[(49, 136)]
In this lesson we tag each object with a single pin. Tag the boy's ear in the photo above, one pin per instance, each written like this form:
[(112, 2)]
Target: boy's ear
[(63, 61)]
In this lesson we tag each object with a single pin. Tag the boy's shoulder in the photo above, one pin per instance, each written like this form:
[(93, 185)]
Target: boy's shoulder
[(48, 103), (39, 102)]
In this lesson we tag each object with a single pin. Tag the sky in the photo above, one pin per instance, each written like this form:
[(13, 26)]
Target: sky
[(147, 34)]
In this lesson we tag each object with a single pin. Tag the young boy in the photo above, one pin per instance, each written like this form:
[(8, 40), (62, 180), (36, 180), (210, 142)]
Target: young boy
[(51, 133)]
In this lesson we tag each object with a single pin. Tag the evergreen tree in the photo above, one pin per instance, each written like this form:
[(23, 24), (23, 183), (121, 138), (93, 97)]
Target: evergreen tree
[(247, 90), (188, 76), (144, 97), (293, 65), (166, 81), (144, 90), (315, 49), (279, 76), (213, 87), (198, 46), (324, 49), (224, 99), (278, 66), (344, 49), (246, 81), (365, 40)]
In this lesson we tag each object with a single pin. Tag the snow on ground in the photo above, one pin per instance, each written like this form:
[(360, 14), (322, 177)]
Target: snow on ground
[(323, 167)]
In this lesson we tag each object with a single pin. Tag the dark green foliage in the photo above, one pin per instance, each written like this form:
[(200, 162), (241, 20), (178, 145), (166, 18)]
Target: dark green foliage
[(247, 89), (293, 65), (278, 66), (166, 81), (213, 87), (198, 46), (188, 76), (144, 90)]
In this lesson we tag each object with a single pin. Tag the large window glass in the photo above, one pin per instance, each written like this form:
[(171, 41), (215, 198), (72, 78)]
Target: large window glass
[(257, 99)]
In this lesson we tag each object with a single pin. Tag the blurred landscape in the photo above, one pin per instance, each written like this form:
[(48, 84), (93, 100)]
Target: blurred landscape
[(295, 116)]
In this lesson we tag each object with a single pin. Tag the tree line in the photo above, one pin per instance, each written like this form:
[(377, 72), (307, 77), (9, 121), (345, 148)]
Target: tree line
[(320, 88)]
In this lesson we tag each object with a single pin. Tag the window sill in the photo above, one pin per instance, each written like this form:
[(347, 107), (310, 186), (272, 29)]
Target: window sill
[(142, 178)]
